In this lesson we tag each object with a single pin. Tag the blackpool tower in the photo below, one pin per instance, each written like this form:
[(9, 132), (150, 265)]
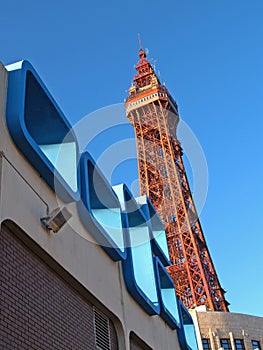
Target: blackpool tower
[(154, 115)]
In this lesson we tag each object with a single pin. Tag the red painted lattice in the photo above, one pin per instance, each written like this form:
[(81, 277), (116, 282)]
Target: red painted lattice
[(154, 115)]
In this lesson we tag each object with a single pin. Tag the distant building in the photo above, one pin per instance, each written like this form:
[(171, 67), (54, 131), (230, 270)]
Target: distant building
[(229, 331)]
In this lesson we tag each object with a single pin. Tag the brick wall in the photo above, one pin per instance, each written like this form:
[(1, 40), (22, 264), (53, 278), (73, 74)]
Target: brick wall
[(38, 309)]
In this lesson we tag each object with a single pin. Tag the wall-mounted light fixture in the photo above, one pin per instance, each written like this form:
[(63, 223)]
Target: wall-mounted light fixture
[(56, 219)]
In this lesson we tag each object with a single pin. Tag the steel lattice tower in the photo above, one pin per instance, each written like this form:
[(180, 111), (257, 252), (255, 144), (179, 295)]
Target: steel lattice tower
[(154, 114)]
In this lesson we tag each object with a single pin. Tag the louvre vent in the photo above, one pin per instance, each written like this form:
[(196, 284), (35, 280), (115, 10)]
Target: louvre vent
[(102, 330)]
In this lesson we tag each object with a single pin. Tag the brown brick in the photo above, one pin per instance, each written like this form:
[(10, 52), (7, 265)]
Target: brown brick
[(39, 310)]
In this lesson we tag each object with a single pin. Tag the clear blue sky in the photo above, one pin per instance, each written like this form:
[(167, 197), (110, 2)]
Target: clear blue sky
[(210, 55)]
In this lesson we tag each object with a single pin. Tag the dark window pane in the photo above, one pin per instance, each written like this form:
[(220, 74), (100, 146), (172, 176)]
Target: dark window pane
[(239, 344), (256, 345), (206, 344), (225, 343)]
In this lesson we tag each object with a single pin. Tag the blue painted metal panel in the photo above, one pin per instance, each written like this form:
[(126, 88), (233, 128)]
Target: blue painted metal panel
[(100, 210), (158, 235), (186, 334), (35, 123), (167, 295), (138, 268)]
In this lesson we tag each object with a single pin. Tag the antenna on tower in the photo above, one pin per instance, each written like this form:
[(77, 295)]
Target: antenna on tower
[(139, 39)]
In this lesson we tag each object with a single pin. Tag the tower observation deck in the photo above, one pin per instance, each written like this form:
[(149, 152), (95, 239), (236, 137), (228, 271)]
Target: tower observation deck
[(154, 115)]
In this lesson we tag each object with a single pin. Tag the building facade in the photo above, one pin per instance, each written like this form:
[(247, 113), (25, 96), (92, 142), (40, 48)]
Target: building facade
[(68, 278), (229, 331)]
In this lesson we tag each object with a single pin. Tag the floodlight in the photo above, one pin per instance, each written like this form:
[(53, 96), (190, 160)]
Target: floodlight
[(56, 219)]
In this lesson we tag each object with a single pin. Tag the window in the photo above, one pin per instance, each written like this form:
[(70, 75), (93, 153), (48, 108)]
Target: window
[(225, 343), (239, 344), (206, 344), (255, 344)]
